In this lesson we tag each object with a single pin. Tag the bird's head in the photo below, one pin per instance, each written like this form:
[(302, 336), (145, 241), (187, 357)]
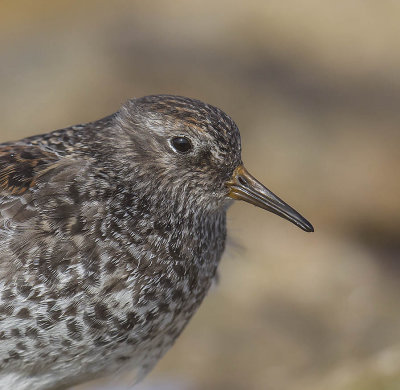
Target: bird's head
[(192, 150)]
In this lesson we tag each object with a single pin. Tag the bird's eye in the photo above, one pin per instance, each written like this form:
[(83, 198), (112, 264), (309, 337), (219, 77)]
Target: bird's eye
[(181, 144)]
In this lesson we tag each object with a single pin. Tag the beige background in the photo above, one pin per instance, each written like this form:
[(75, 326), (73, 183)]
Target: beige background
[(315, 89)]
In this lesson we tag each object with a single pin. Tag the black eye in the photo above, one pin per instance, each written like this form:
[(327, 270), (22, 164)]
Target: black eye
[(181, 144)]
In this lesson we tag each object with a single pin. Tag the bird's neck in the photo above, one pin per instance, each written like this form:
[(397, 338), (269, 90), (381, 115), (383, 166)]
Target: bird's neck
[(167, 218)]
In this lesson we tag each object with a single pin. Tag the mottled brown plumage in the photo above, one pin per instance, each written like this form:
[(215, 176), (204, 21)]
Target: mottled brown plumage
[(110, 237), (21, 166)]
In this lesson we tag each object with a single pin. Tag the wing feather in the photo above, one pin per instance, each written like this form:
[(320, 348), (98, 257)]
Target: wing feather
[(21, 166)]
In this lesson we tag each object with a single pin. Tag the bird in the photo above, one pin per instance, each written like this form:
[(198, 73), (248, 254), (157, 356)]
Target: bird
[(111, 233)]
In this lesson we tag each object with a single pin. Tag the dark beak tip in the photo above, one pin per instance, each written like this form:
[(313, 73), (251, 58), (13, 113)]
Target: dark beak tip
[(302, 223), (308, 228)]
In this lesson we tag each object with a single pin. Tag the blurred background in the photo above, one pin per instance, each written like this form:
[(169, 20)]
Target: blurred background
[(315, 89)]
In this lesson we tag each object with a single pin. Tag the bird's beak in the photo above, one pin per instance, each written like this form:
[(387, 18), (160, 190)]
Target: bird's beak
[(244, 186)]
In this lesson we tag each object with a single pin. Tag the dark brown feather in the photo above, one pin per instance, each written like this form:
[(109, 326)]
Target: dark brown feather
[(21, 166)]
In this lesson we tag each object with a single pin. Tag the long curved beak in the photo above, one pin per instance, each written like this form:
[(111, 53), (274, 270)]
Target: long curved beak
[(243, 186)]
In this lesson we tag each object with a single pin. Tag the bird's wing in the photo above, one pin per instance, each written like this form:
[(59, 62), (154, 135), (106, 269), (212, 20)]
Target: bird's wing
[(23, 173), (21, 166), (37, 204)]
